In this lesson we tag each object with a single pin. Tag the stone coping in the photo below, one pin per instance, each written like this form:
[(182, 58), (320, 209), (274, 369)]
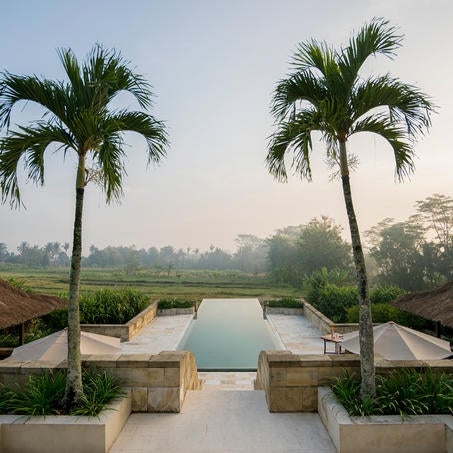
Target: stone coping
[(375, 434), (57, 433)]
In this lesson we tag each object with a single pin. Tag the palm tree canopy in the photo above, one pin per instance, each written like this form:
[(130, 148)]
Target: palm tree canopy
[(325, 93), (77, 117)]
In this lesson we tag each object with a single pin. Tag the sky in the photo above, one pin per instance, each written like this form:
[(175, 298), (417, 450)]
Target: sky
[(213, 66)]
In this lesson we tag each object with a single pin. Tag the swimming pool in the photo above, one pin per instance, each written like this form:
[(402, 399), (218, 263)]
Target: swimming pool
[(228, 334)]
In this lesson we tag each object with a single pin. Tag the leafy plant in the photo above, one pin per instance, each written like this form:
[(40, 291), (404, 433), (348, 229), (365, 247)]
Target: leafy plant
[(287, 302), (384, 312), (175, 303), (106, 306), (43, 395), (405, 392), (99, 390)]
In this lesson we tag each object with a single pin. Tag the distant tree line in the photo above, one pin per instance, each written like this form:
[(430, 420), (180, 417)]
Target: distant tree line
[(415, 254)]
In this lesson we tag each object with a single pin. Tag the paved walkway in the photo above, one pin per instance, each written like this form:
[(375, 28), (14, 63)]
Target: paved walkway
[(216, 421), (163, 333)]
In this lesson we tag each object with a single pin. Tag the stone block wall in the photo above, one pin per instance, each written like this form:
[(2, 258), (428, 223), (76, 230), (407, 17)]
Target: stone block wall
[(158, 382), (291, 381), (124, 331)]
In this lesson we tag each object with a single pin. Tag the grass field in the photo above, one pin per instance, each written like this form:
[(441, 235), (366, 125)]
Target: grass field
[(182, 284)]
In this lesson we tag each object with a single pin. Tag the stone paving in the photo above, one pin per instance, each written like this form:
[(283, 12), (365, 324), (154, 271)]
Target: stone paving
[(216, 421), (163, 333), (297, 334)]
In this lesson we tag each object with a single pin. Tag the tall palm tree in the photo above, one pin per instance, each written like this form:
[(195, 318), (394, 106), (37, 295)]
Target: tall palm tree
[(77, 117), (325, 93)]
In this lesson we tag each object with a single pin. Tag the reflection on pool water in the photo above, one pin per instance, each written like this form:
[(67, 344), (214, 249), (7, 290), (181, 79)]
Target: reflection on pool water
[(228, 334)]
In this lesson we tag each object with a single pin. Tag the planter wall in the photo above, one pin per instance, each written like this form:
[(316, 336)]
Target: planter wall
[(284, 311), (175, 311), (54, 434), (290, 381), (124, 331), (158, 382), (375, 434)]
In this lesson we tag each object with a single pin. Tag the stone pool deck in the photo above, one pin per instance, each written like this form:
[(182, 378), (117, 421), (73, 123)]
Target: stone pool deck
[(165, 332)]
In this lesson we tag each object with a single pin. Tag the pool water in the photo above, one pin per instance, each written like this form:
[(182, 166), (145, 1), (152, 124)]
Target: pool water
[(228, 334)]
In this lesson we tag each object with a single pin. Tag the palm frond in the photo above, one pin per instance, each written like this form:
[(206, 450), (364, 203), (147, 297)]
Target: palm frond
[(300, 87), (28, 143), (49, 94), (110, 159), (395, 136), (314, 55), (107, 72), (376, 37), (146, 125), (406, 103), (293, 137)]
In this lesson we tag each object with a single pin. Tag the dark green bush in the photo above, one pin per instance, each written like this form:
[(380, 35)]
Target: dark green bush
[(334, 301), (384, 312), (106, 306), (287, 302), (383, 294), (43, 395), (57, 319), (404, 392), (175, 303)]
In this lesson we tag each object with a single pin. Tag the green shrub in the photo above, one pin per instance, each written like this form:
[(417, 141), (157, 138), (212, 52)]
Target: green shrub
[(106, 306), (165, 304), (383, 294), (43, 395), (57, 319), (335, 301), (404, 392), (287, 302), (384, 312)]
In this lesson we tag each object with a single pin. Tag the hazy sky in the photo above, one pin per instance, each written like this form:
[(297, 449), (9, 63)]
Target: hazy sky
[(213, 66)]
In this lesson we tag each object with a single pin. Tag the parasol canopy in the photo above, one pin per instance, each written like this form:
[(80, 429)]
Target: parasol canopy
[(54, 347), (395, 342)]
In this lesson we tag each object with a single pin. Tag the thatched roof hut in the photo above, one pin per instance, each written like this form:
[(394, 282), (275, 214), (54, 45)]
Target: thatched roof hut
[(17, 306), (436, 305)]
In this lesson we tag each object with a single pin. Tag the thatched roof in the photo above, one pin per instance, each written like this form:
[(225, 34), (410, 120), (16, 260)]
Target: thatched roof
[(436, 305), (17, 306)]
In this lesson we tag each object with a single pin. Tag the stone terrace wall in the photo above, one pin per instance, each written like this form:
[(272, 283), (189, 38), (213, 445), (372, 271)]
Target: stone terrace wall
[(124, 331), (291, 381), (323, 323), (158, 382)]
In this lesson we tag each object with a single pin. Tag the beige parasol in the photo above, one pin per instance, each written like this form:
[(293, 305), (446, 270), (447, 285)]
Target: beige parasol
[(395, 342), (54, 347)]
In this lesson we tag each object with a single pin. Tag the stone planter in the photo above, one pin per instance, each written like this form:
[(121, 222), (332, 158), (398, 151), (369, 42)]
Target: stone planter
[(124, 331), (57, 433), (376, 434), (284, 311), (175, 311)]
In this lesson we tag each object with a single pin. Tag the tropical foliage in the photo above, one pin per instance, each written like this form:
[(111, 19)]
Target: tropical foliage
[(404, 392), (325, 92), (43, 395), (78, 118)]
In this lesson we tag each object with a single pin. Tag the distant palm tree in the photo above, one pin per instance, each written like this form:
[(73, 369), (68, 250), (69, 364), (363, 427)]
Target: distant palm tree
[(79, 118), (325, 93)]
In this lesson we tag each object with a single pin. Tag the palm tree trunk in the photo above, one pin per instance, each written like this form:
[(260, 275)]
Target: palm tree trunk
[(366, 340), (74, 389)]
